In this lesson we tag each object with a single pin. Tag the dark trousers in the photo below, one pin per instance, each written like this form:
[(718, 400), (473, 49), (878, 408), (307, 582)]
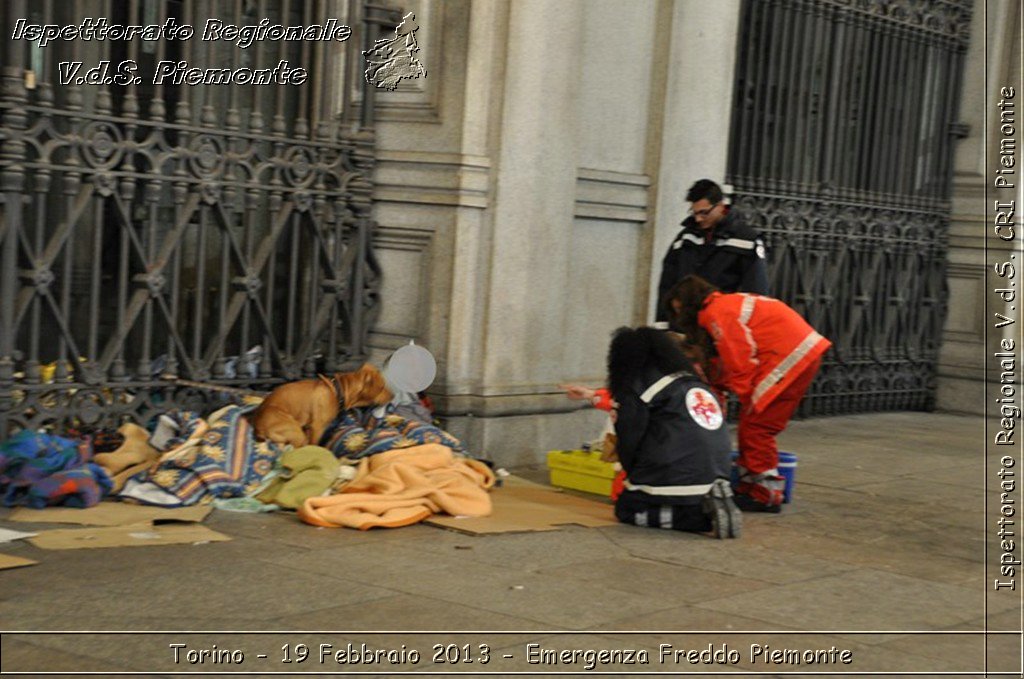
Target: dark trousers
[(641, 509)]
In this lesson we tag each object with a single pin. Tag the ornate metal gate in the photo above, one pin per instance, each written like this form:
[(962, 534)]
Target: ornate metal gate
[(840, 152), (156, 233)]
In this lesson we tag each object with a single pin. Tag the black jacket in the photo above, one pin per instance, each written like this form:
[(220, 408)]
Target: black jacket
[(733, 260), (672, 438)]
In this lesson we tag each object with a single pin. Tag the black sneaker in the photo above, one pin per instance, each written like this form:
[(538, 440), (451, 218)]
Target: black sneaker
[(726, 519), (749, 504)]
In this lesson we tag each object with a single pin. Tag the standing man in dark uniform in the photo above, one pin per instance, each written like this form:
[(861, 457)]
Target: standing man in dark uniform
[(717, 245)]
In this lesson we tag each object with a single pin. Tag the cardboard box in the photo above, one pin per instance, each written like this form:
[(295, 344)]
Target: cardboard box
[(112, 514), (139, 535), (523, 506), (581, 470), (8, 561)]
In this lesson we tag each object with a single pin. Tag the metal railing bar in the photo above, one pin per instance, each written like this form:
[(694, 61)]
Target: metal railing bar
[(112, 352), (256, 121), (269, 245), (130, 105), (65, 331), (291, 310), (889, 128), (97, 254), (342, 142), (200, 289), (767, 80), (278, 126), (174, 339), (225, 184), (302, 127)]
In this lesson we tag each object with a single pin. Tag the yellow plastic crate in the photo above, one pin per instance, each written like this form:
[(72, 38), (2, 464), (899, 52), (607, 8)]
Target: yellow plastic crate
[(581, 470)]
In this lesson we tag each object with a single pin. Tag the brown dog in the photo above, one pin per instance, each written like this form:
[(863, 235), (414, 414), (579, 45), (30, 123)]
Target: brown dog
[(298, 413), (363, 387)]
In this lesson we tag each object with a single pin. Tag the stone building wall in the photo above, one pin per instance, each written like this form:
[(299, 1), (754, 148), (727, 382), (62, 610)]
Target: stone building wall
[(528, 187)]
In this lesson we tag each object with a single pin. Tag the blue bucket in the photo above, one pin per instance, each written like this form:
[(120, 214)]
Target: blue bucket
[(787, 469)]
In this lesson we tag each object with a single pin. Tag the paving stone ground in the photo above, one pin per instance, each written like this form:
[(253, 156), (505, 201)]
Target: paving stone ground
[(881, 554)]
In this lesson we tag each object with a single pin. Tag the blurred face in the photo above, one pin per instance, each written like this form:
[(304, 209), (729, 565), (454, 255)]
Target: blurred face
[(707, 215)]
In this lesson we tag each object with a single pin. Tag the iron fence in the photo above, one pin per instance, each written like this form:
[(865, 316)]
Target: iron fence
[(840, 153), (158, 238)]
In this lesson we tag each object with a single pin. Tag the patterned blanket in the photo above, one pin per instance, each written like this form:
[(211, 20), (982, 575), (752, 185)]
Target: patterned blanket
[(79, 487), (39, 470), (217, 458), (360, 432)]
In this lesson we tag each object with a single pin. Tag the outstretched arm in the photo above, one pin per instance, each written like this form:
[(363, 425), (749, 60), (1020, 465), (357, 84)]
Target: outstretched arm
[(599, 398), (578, 392)]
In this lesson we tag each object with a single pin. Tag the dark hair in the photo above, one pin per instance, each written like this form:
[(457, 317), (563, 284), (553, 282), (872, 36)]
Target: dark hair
[(635, 349), (691, 293), (705, 189)]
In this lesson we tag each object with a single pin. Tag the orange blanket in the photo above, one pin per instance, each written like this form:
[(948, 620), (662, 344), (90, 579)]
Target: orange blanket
[(402, 487)]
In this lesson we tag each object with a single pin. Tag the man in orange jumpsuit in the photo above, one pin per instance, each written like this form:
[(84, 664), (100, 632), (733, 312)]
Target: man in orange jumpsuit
[(767, 355)]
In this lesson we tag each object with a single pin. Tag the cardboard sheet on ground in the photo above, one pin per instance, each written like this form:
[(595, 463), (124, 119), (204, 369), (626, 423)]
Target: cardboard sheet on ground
[(8, 561), (138, 535), (112, 514), (8, 535), (520, 505)]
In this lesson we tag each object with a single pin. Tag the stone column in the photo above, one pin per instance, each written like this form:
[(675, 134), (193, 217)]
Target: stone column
[(534, 197), (694, 140), (518, 302)]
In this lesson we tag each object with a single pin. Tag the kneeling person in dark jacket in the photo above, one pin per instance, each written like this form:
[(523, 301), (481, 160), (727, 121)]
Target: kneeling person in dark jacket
[(672, 439)]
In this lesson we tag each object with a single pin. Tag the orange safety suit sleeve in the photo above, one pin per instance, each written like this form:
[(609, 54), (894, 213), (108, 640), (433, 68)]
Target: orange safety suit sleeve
[(602, 399), (736, 352)]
